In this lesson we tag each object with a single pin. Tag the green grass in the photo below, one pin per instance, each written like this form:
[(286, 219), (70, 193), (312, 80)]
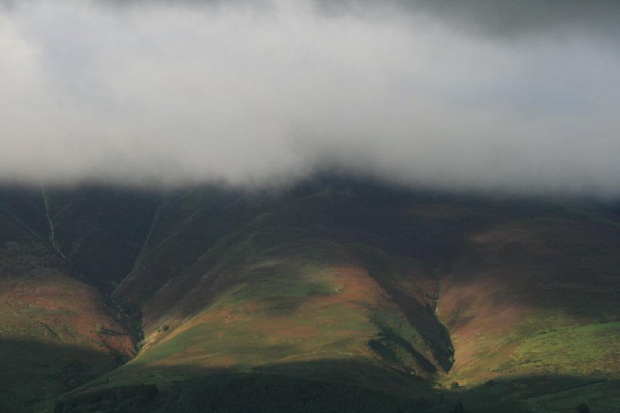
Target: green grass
[(574, 350)]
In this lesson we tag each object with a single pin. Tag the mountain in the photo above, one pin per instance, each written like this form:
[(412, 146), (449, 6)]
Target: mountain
[(338, 293)]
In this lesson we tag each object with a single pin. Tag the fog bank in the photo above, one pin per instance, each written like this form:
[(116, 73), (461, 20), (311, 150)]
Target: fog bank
[(435, 94)]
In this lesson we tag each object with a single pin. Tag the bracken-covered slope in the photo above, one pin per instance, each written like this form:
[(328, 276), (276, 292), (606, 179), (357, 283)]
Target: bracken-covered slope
[(260, 280), (535, 299), (56, 331), (241, 299)]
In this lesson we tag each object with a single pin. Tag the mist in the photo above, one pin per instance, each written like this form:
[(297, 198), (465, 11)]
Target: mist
[(483, 96)]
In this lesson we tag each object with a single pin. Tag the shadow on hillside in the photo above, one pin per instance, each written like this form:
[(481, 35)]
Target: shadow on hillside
[(31, 371), (98, 229), (282, 388), (549, 393), (326, 387), (519, 243)]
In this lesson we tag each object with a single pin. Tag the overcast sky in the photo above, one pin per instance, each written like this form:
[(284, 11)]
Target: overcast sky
[(512, 95)]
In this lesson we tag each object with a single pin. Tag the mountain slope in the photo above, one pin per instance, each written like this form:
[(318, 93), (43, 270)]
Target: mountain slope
[(56, 332), (337, 280), (281, 281)]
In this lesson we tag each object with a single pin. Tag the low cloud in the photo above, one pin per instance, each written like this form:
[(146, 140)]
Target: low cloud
[(506, 19), (251, 92)]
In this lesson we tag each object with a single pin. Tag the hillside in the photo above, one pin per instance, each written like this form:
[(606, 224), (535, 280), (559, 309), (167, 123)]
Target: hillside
[(227, 295), (56, 331)]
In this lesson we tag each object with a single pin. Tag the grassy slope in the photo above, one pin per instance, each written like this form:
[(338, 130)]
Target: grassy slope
[(264, 283), (339, 280), (538, 297), (519, 277), (55, 331)]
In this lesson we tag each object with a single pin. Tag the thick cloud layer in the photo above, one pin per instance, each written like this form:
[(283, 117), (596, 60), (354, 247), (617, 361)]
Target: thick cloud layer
[(523, 96)]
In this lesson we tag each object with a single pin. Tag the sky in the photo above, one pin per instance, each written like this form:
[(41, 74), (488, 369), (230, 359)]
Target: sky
[(518, 96)]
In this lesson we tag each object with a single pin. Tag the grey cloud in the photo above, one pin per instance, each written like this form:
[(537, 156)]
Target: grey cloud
[(507, 17), (501, 18), (492, 17), (171, 94)]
